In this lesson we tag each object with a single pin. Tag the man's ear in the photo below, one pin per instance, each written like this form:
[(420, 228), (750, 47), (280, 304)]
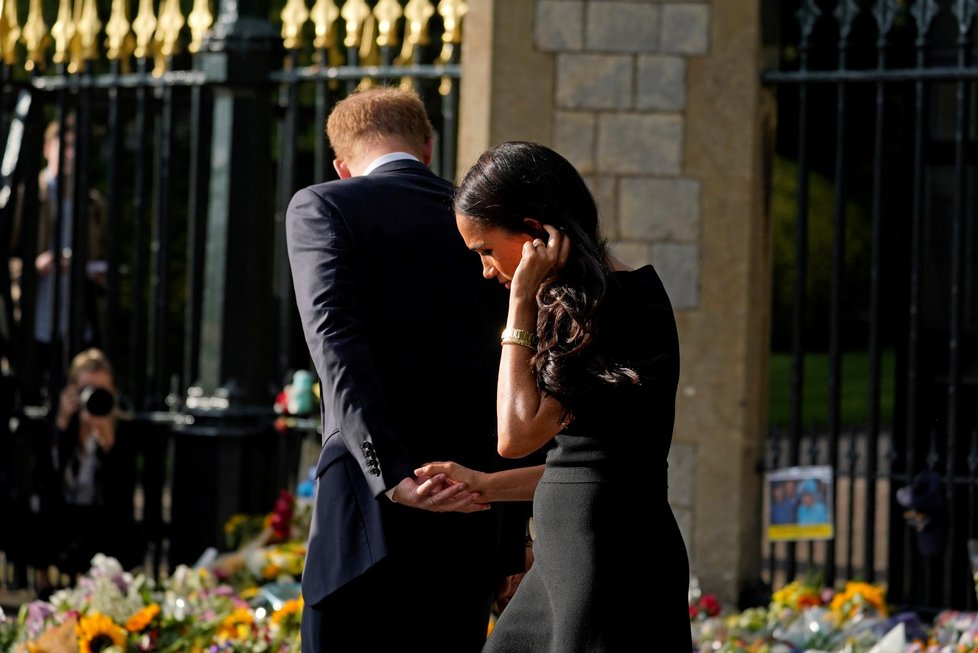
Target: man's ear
[(429, 148), (342, 169)]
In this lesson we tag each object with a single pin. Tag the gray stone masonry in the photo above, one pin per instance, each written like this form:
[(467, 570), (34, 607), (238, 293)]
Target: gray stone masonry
[(685, 28), (559, 26), (661, 83), (574, 138), (660, 209), (594, 81), (622, 27), (679, 267), (638, 143)]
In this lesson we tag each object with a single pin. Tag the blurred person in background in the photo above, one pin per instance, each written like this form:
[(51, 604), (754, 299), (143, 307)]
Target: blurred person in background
[(83, 500), (51, 189)]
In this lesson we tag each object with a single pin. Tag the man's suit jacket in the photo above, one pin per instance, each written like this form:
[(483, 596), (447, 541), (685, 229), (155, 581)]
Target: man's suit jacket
[(404, 334)]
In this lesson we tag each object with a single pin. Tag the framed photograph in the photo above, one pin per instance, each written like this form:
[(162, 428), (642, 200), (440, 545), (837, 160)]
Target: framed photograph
[(799, 504)]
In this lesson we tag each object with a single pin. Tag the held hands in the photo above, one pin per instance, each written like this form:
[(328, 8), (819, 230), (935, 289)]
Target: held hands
[(437, 493), (539, 260), (442, 473)]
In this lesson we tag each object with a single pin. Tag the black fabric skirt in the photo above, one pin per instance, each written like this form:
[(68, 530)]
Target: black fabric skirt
[(598, 584)]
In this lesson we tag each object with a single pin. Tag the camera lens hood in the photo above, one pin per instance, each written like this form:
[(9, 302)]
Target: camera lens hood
[(97, 401)]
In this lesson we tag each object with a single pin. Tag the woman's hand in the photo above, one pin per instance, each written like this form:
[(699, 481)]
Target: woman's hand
[(540, 259), (442, 473)]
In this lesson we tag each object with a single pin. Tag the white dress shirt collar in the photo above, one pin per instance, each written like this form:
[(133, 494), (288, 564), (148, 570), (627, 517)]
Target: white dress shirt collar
[(387, 158)]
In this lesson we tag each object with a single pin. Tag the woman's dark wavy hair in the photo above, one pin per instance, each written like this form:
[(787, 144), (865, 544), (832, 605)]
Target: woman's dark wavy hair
[(517, 180)]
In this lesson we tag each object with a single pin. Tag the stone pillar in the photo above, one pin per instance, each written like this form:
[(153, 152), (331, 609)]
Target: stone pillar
[(506, 90)]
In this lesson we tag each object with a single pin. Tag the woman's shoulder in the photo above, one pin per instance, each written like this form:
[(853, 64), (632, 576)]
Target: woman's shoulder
[(643, 283)]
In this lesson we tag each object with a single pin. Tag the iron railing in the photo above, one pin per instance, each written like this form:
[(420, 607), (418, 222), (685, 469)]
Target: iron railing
[(876, 102), (196, 130)]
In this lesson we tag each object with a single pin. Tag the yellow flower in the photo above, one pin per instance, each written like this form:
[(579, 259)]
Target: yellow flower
[(270, 571), (96, 632), (797, 596), (143, 618), (248, 593)]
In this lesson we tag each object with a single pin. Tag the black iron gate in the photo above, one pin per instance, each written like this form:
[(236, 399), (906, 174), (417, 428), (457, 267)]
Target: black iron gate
[(875, 310), (195, 130)]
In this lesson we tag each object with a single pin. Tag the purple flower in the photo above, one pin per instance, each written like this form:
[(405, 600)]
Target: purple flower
[(38, 613)]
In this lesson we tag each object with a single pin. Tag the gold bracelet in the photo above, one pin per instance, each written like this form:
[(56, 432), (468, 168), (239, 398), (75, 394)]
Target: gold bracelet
[(519, 337)]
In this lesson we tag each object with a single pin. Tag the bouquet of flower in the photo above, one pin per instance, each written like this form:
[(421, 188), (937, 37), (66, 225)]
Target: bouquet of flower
[(111, 610), (268, 547)]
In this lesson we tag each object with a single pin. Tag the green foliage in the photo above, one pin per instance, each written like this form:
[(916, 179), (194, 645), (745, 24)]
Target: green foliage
[(818, 286), (854, 389)]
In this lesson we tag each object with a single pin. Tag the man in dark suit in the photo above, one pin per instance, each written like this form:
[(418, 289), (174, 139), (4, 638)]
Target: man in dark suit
[(404, 334)]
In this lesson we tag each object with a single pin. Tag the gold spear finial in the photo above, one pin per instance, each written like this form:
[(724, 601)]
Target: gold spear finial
[(387, 13), (144, 26), (118, 41), (87, 26), (324, 14), (9, 30), (451, 12), (35, 36), (168, 28), (294, 16), (62, 32), (417, 14), (354, 12), (199, 21), (369, 54)]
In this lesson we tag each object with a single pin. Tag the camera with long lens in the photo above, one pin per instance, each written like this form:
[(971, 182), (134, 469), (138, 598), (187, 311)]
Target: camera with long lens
[(97, 401)]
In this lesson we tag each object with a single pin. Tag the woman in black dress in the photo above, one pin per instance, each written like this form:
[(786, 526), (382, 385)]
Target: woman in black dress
[(588, 371)]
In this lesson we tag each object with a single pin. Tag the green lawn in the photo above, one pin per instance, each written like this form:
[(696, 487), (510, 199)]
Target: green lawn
[(854, 393)]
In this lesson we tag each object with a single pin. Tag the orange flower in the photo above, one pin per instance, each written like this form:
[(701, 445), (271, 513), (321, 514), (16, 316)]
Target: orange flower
[(236, 625), (137, 622), (288, 608), (858, 596)]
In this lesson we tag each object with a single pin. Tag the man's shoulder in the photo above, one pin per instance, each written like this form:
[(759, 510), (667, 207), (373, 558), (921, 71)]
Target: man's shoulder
[(372, 187)]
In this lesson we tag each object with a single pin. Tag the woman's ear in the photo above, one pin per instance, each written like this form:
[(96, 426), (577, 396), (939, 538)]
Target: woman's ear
[(535, 227)]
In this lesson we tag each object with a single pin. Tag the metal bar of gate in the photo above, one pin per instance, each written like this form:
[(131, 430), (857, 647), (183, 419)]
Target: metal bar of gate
[(923, 19), (196, 213), (56, 362), (140, 216), (112, 216), (884, 14), (807, 15), (844, 13), (322, 106), (81, 302), (286, 186), (160, 247), (956, 255)]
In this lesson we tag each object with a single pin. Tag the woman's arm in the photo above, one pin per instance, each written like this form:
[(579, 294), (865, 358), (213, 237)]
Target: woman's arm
[(526, 418)]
